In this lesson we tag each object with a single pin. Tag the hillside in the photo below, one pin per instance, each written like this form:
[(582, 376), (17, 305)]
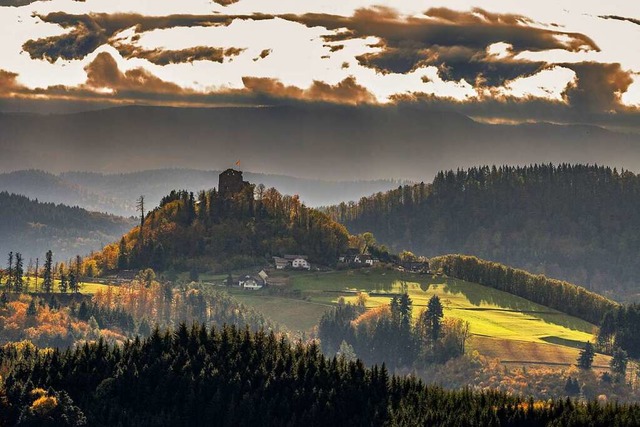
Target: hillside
[(32, 227), (117, 193), (572, 222), (314, 141), (212, 231), (50, 188), (502, 325)]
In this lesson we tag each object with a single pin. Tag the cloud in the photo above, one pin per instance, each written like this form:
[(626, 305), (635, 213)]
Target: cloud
[(189, 55), (225, 2), (455, 42), (263, 54), (621, 18), (598, 87), (103, 73), (17, 3), (106, 82), (88, 32), (8, 83), (482, 51), (347, 91)]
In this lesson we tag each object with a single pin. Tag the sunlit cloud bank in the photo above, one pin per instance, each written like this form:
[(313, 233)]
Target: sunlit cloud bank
[(579, 62)]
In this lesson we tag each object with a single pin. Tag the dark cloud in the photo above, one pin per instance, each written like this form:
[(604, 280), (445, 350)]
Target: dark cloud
[(106, 83), (8, 83), (598, 87), (164, 57), (347, 91), (103, 72), (88, 32), (263, 54), (621, 18), (509, 109), (17, 3), (455, 42), (225, 2)]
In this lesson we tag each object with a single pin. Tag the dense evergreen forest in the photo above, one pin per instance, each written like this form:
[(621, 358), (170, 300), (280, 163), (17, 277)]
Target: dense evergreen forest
[(573, 222), (230, 376), (619, 329), (27, 226), (214, 232)]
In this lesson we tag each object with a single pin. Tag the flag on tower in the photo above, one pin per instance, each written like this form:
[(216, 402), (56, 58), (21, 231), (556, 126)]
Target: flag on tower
[(238, 163)]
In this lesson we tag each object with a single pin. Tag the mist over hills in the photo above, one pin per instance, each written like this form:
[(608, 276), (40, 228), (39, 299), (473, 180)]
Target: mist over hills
[(117, 193), (31, 228), (313, 141)]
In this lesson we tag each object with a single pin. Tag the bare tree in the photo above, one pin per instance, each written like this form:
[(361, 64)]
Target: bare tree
[(140, 208), (35, 272)]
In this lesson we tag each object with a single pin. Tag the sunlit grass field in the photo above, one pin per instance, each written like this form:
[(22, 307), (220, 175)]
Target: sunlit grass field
[(503, 325), (87, 287)]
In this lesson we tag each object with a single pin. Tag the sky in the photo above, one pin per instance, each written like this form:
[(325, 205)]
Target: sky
[(375, 89), (499, 61)]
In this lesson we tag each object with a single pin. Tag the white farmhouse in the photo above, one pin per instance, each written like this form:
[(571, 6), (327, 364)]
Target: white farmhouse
[(250, 283), (301, 263)]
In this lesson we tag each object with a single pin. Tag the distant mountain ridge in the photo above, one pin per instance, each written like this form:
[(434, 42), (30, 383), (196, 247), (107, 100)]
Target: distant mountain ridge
[(117, 193), (326, 142), (32, 228)]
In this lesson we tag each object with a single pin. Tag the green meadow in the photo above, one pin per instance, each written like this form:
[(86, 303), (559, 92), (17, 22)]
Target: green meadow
[(87, 287), (502, 325)]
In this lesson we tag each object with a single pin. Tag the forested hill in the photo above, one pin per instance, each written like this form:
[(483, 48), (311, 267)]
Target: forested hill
[(31, 228), (573, 222), (230, 377), (209, 231)]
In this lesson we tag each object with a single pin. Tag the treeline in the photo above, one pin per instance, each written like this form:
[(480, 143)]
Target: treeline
[(388, 334), (148, 302), (47, 277), (117, 313), (28, 225), (212, 232), (573, 222), (229, 376), (619, 329), (562, 296)]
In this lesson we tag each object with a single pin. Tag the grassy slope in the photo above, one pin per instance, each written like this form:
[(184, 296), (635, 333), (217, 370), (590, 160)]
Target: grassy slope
[(86, 287), (503, 325)]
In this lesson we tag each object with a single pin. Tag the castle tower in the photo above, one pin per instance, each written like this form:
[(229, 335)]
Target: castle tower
[(230, 182)]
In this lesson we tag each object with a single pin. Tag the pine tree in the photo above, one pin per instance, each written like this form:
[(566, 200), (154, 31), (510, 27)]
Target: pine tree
[(36, 272), (73, 283), (47, 276), (18, 274), (123, 262), (434, 316), (9, 282), (585, 359), (64, 284), (618, 364), (32, 310)]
